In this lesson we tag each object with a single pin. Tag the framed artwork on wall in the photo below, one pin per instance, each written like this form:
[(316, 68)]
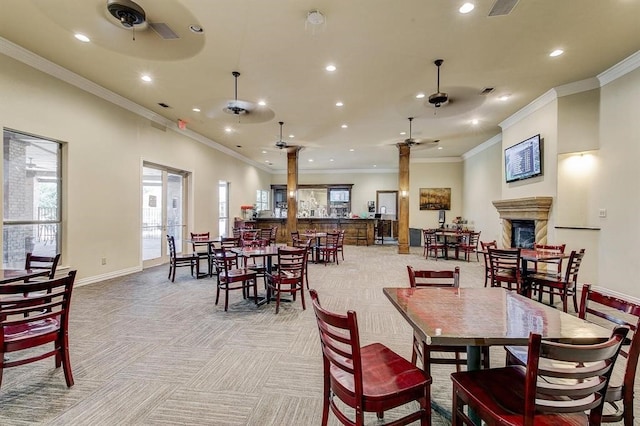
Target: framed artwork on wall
[(435, 198)]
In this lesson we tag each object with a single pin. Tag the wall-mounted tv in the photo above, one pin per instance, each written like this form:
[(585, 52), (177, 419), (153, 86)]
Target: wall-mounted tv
[(523, 160)]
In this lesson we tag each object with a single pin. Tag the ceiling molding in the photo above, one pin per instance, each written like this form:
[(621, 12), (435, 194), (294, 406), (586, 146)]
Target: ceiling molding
[(484, 145), (436, 160), (577, 87), (621, 68), (338, 171), (532, 107), (39, 63)]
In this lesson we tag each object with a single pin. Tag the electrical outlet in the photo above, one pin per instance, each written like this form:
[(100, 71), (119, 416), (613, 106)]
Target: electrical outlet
[(104, 260), (602, 213)]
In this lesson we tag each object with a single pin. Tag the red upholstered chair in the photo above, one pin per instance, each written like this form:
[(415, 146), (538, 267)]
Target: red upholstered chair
[(29, 323), (505, 268), (427, 353), (485, 254), (329, 249), (545, 392), (371, 378), (177, 261), (231, 278), (469, 245), (606, 307), (564, 286), (432, 245), (290, 276)]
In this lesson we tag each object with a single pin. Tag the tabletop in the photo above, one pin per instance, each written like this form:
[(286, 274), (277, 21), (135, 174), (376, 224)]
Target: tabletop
[(487, 316), (11, 275), (541, 254)]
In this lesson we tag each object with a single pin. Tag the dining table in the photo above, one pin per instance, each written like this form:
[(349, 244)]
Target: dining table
[(317, 236), (12, 275), (209, 243), (476, 317), (267, 253)]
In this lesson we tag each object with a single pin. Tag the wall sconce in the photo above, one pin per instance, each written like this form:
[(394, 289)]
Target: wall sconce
[(292, 194), (404, 194)]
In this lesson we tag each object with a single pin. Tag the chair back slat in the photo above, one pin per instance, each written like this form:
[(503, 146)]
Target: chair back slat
[(573, 378), (49, 263), (433, 278), (505, 267)]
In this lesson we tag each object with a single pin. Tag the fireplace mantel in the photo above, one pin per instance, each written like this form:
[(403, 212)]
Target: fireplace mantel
[(531, 208)]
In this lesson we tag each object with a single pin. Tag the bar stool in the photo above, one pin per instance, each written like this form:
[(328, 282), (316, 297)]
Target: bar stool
[(361, 235)]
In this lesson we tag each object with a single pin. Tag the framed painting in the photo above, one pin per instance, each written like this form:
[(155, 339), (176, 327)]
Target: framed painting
[(435, 198)]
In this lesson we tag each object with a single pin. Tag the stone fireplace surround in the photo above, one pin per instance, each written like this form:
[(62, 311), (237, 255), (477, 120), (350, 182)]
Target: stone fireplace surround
[(532, 208)]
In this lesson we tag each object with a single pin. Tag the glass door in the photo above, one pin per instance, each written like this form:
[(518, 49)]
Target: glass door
[(163, 202)]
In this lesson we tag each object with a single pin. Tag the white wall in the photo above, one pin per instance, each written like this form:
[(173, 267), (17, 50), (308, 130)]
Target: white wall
[(105, 146), (434, 175)]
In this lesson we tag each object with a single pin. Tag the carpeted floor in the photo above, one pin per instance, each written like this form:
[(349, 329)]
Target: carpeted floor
[(146, 351)]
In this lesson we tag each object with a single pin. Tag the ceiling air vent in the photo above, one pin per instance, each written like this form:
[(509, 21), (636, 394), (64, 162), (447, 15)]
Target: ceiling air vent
[(486, 90), (163, 105), (502, 7)]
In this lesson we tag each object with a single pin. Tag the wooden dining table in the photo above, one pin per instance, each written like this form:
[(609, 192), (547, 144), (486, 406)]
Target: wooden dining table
[(12, 275), (318, 236), (476, 317), (268, 253)]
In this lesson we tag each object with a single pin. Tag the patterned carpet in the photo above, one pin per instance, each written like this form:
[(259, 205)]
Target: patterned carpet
[(146, 351)]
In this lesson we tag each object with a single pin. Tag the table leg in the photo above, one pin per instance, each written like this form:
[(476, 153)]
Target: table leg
[(473, 364)]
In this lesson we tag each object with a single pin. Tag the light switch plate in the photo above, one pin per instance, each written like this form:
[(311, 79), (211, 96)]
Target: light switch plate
[(602, 213)]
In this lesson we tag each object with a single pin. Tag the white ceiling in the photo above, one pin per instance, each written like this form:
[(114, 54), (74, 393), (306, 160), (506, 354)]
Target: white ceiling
[(383, 50)]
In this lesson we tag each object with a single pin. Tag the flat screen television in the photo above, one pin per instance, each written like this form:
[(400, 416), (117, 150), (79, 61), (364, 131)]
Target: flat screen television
[(523, 160)]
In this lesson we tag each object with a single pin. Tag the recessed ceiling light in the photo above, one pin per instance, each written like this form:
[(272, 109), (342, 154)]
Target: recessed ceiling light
[(339, 104), (262, 103), (310, 160), (466, 8), (351, 149), (420, 95), (504, 97), (556, 52), (83, 38), (439, 147), (264, 152), (292, 136), (475, 121), (403, 133), (196, 29), (344, 126), (228, 129), (196, 110), (330, 68), (374, 166), (331, 159), (146, 78), (266, 161)]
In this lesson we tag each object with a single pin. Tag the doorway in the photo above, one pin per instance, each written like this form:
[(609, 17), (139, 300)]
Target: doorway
[(163, 211)]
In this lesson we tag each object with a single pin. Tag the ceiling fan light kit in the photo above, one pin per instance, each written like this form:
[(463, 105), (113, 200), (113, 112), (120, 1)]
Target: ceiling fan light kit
[(129, 13)]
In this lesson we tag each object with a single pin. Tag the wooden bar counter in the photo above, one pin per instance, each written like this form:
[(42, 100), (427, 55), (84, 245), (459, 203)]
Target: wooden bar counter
[(353, 227)]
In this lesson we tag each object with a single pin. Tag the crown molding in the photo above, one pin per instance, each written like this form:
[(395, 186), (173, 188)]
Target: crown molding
[(577, 87), (542, 100), (484, 145), (39, 63), (621, 68), (436, 160), (338, 171)]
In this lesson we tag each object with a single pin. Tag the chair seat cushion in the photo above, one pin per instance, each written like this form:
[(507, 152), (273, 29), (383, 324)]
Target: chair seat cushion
[(384, 372), (34, 328), (500, 391)]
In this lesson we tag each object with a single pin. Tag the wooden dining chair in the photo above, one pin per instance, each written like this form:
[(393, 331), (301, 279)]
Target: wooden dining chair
[(290, 276), (232, 278), (565, 286), (28, 324), (485, 254), (432, 245), (306, 244), (469, 245), (45, 263), (545, 392), (505, 267), (273, 235), (549, 266), (370, 378), (200, 246), (329, 249), (177, 261), (608, 308), (427, 354)]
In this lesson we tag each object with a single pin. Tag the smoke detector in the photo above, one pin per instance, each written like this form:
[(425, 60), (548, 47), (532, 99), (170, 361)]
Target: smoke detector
[(129, 14)]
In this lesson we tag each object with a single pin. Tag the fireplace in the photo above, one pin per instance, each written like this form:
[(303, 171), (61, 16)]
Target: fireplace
[(534, 210), (523, 233)]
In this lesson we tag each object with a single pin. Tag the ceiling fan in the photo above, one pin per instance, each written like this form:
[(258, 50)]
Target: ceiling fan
[(439, 98), (413, 143), (281, 144), (238, 107)]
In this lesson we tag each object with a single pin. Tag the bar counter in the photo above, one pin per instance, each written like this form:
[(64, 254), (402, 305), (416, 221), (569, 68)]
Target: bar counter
[(353, 228)]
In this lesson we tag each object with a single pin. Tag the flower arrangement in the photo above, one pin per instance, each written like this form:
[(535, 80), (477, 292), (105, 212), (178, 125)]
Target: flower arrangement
[(246, 207)]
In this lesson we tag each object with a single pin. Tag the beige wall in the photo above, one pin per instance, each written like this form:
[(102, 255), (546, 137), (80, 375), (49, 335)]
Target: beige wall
[(105, 148)]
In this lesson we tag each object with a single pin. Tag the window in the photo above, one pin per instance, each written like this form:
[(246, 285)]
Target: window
[(223, 208), (262, 200), (32, 194)]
